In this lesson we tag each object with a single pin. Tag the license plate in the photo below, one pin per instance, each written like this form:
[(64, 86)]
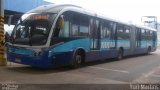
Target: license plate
[(18, 60)]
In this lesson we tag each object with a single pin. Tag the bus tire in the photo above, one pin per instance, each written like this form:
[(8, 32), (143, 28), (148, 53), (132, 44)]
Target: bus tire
[(149, 50), (120, 54), (77, 59)]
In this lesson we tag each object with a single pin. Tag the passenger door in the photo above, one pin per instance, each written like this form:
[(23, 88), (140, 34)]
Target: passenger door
[(138, 38), (95, 34)]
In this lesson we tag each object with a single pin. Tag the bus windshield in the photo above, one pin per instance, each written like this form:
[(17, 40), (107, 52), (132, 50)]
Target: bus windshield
[(32, 29)]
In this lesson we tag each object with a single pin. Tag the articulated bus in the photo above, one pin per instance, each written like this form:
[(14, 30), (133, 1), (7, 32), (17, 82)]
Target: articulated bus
[(60, 35)]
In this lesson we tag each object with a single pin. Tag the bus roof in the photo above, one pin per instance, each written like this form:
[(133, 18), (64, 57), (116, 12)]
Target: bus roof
[(51, 8), (145, 27), (56, 8)]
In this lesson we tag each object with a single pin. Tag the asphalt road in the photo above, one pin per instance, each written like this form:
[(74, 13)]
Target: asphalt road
[(134, 69)]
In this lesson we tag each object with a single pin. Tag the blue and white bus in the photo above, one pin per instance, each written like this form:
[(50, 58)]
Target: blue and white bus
[(59, 35)]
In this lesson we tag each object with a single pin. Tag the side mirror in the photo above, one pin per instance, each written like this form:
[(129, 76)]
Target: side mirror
[(60, 23)]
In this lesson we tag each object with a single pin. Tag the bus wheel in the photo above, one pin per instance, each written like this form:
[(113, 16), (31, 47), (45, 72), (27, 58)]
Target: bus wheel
[(149, 50), (120, 54), (77, 62)]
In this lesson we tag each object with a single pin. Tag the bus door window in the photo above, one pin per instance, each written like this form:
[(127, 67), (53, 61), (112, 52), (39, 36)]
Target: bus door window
[(143, 38), (127, 37), (95, 28), (105, 31), (120, 35), (154, 38), (91, 30), (112, 27), (148, 38), (138, 37), (105, 35), (108, 34)]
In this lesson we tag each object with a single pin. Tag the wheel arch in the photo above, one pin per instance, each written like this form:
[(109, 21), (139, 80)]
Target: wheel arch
[(82, 51), (121, 48)]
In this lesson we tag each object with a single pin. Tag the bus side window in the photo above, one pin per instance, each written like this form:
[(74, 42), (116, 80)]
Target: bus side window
[(143, 31), (112, 28), (103, 31), (151, 35), (65, 31), (127, 33), (56, 30), (123, 32), (80, 25), (120, 32), (75, 29)]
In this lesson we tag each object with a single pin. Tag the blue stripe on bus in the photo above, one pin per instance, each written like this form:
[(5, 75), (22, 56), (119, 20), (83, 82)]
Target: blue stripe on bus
[(106, 44), (20, 51), (123, 43), (146, 43), (71, 46)]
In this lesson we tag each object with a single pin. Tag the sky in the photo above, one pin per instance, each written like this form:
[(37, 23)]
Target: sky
[(123, 10)]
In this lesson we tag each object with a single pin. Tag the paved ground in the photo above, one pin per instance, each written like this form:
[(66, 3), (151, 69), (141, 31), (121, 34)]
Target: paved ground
[(137, 69)]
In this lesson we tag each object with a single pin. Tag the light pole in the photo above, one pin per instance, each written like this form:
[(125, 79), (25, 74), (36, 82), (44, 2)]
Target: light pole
[(2, 50)]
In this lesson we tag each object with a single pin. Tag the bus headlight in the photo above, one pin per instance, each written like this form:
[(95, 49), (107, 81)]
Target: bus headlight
[(39, 53), (35, 54), (50, 53)]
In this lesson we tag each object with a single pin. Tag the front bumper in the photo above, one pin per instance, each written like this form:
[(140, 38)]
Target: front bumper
[(39, 61)]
